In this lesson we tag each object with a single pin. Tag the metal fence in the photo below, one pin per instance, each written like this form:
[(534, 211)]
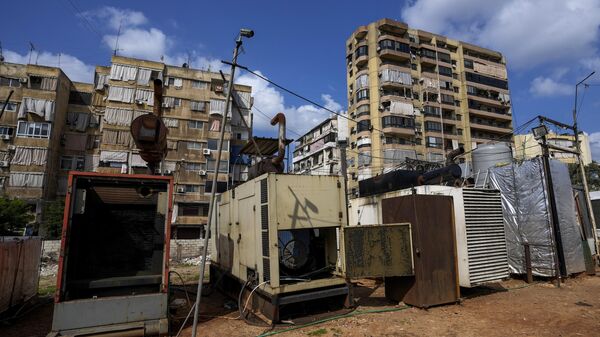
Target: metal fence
[(19, 270)]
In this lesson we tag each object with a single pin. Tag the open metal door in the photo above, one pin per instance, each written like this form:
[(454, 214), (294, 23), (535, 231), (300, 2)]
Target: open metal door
[(378, 250)]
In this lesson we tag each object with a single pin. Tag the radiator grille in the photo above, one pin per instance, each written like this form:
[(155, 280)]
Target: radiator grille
[(264, 226), (486, 240)]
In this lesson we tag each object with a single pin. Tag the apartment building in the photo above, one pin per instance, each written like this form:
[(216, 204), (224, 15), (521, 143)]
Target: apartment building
[(317, 152), (53, 126), (30, 131), (419, 95), (527, 147)]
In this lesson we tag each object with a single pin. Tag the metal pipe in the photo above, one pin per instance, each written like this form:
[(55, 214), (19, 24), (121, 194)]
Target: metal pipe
[(279, 119), (211, 207), (6, 102), (158, 97)]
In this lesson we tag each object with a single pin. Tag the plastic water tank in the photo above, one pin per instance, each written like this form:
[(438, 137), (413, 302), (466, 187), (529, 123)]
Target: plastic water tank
[(489, 155)]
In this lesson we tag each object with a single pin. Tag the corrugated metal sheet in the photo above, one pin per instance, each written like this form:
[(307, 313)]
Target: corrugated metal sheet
[(267, 146), (486, 240), (19, 270)]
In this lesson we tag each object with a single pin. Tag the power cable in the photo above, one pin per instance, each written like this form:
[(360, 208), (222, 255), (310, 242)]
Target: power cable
[(77, 12)]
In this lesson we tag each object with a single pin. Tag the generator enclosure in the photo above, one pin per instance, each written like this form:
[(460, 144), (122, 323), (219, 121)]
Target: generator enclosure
[(479, 227), (113, 269), (280, 229)]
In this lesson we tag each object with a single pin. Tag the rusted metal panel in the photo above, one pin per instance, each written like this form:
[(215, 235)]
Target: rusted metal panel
[(19, 270), (434, 249), (378, 250)]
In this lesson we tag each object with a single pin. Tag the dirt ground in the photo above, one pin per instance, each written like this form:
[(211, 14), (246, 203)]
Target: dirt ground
[(511, 308)]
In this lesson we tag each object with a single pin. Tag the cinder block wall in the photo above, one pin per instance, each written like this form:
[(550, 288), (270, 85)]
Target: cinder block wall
[(180, 249)]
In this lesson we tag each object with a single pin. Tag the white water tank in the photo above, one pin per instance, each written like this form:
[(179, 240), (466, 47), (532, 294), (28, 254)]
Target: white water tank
[(486, 156)]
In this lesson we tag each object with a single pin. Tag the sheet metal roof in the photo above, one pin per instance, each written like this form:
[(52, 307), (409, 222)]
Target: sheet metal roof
[(267, 146)]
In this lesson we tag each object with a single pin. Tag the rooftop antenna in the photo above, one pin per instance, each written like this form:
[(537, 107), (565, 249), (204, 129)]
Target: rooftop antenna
[(1, 54), (118, 35), (31, 49), (59, 59)]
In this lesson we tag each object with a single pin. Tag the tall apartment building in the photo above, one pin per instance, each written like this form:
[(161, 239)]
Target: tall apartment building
[(526, 146), (317, 152), (55, 125), (419, 95)]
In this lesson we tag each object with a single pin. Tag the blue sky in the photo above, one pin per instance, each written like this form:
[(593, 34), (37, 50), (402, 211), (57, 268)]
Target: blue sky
[(549, 44)]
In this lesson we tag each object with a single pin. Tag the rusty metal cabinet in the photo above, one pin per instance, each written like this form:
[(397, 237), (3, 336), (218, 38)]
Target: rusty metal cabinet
[(434, 250)]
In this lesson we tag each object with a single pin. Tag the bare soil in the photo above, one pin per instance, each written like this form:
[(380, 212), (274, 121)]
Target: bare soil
[(511, 308)]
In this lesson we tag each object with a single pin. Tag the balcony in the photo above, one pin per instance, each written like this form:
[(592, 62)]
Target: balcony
[(393, 50), (490, 114), (492, 128), (361, 55)]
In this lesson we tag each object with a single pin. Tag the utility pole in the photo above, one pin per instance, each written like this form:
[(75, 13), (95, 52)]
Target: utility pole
[(560, 261), (238, 44), (580, 163)]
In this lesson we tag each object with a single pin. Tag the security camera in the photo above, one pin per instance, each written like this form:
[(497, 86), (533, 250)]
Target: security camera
[(246, 32)]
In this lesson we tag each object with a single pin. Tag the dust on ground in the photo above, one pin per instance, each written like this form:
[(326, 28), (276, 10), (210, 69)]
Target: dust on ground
[(507, 308)]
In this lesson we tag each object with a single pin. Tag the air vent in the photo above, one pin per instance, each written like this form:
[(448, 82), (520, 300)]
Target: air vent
[(486, 242)]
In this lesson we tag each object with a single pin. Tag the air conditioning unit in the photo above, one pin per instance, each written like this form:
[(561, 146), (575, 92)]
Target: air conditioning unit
[(180, 189), (4, 163), (5, 137), (454, 66), (23, 79), (202, 173), (218, 88), (206, 152), (12, 148), (378, 48), (168, 172), (139, 101)]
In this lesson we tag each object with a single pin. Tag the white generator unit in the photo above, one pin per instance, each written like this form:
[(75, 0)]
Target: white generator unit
[(283, 236), (479, 225)]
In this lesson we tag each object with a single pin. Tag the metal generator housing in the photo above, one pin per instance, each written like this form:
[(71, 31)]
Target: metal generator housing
[(479, 228), (254, 218)]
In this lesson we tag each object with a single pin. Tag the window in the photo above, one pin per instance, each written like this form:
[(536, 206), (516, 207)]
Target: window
[(9, 82), (191, 188), (33, 129), (398, 122), (444, 57), (394, 45), (189, 209), (427, 53), (197, 106), (195, 124), (42, 83), (361, 51), (449, 99), (194, 145), (199, 84), (435, 142), (362, 95), (494, 82), (433, 126), (71, 163), (445, 71), (5, 130), (214, 143), (471, 90), (469, 64), (80, 98), (221, 186), (363, 126), (431, 110), (10, 106), (362, 110), (194, 166), (210, 165)]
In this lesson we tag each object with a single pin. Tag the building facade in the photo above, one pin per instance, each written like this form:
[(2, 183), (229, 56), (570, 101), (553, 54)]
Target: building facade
[(58, 126), (414, 94), (527, 147), (317, 152)]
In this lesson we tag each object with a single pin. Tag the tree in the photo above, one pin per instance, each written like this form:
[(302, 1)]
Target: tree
[(592, 172), (53, 217), (14, 215)]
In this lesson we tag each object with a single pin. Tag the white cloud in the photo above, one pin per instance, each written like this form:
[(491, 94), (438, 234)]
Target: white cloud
[(148, 44), (529, 32), (116, 17), (75, 69), (270, 101), (595, 145), (546, 86)]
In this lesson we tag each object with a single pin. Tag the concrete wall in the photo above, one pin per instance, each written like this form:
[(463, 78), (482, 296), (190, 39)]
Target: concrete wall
[(180, 249)]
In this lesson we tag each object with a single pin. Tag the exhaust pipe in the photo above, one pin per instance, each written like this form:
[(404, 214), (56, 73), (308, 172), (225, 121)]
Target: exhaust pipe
[(158, 97), (279, 119)]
